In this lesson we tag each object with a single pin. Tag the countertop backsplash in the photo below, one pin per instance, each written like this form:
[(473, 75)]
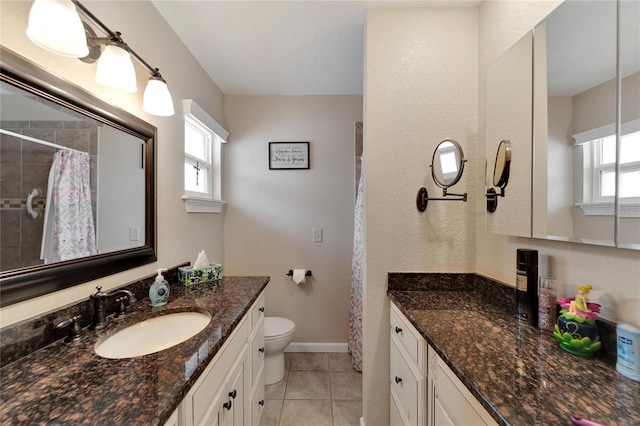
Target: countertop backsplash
[(499, 295), (20, 339)]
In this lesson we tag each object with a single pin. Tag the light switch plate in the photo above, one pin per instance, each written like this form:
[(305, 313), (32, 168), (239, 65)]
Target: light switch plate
[(317, 235)]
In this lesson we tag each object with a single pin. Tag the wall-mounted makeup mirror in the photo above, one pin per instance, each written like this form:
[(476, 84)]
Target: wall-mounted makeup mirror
[(447, 166), (501, 169), (43, 116)]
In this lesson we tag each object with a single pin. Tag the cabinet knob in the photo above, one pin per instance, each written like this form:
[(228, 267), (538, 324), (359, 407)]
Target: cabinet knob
[(261, 402), (233, 394), (398, 379), (398, 330), (261, 308), (261, 350), (228, 405)]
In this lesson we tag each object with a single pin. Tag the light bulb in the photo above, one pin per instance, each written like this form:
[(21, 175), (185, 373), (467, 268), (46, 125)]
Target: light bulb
[(115, 69), (157, 99), (55, 26)]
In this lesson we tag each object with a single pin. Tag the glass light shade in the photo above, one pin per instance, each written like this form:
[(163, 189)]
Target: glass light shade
[(115, 69), (55, 25), (157, 99)]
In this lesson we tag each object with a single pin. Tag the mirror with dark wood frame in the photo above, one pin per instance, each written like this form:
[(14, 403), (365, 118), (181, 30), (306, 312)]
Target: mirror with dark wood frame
[(43, 117)]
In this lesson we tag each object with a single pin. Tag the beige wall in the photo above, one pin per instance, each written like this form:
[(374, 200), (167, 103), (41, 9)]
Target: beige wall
[(271, 213), (180, 235), (420, 88)]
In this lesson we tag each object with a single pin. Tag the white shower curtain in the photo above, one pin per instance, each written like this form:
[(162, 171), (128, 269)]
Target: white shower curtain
[(68, 231), (355, 309)]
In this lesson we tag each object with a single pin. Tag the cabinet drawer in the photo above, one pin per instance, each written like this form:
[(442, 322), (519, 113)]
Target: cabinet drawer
[(257, 311), (257, 352), (405, 385), (409, 337)]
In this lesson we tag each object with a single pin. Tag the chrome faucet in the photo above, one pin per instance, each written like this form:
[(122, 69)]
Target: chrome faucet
[(99, 306)]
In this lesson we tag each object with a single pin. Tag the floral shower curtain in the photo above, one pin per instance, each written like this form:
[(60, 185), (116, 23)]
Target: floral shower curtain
[(355, 310), (69, 230)]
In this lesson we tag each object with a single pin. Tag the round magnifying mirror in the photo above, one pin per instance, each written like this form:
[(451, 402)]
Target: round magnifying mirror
[(447, 163), (502, 165)]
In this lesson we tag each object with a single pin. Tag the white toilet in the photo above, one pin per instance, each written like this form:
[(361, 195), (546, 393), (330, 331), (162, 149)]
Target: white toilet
[(277, 335)]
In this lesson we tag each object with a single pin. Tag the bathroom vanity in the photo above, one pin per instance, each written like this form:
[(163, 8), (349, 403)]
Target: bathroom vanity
[(456, 357), (213, 378)]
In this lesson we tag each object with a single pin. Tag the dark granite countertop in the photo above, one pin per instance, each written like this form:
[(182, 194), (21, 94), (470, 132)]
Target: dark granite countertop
[(520, 375), (69, 384)]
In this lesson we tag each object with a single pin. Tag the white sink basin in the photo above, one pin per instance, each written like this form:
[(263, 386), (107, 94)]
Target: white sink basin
[(153, 335)]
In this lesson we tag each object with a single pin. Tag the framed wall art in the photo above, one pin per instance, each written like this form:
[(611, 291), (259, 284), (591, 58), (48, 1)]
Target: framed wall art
[(288, 155)]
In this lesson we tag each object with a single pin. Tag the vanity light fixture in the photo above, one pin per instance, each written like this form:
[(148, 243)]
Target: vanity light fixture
[(62, 27)]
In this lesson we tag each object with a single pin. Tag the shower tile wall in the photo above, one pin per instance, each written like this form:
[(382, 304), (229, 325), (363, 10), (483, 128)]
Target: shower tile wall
[(25, 165)]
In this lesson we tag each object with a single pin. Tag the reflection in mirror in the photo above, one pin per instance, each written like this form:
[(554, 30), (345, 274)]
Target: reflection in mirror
[(508, 117), (77, 190), (628, 208), (501, 169), (578, 43), (83, 181), (502, 165), (447, 165)]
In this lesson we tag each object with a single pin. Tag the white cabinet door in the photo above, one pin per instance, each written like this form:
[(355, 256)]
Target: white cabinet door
[(211, 390), (257, 401), (236, 394), (395, 418), (215, 414), (452, 403), (440, 416)]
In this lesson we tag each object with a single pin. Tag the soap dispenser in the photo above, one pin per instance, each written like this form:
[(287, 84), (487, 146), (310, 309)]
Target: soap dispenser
[(159, 290)]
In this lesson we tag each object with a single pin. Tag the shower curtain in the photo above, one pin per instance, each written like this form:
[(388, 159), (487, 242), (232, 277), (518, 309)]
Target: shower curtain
[(68, 230), (355, 309)]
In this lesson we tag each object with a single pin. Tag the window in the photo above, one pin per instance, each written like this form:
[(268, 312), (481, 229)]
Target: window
[(203, 138), (599, 176)]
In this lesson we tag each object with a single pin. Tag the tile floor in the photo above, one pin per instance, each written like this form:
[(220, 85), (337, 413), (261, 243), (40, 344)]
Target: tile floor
[(318, 389)]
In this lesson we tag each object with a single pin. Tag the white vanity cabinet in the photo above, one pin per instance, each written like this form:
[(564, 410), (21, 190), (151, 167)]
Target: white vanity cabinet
[(230, 392), (407, 372), (255, 386), (424, 390)]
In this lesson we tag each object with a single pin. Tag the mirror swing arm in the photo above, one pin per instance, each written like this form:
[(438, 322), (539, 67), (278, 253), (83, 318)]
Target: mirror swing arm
[(422, 199), (450, 153)]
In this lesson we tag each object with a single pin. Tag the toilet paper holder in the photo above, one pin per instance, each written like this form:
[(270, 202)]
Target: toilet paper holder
[(290, 273)]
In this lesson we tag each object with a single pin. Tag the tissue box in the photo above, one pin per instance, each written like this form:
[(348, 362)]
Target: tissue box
[(189, 276)]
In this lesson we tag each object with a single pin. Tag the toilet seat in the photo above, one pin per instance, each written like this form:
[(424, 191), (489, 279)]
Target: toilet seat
[(275, 327)]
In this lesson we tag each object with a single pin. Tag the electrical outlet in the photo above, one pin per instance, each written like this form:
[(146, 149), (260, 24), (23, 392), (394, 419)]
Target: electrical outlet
[(134, 233), (317, 235)]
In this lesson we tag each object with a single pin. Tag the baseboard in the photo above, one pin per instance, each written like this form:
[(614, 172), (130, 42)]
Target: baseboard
[(317, 347)]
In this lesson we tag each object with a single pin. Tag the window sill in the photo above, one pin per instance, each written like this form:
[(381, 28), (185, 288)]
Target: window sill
[(199, 205), (607, 209)]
